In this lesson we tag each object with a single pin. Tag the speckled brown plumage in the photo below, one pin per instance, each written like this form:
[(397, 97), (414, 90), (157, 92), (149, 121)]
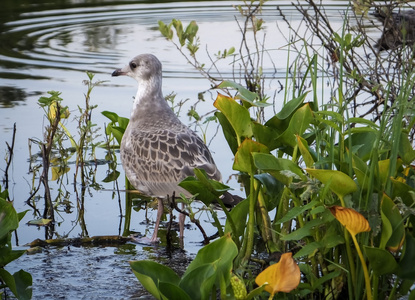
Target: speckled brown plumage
[(157, 150)]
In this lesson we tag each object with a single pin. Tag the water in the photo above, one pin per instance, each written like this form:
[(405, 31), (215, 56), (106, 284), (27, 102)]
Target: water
[(49, 46)]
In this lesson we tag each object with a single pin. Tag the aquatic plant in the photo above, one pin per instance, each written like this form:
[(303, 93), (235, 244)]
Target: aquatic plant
[(317, 176), (19, 283)]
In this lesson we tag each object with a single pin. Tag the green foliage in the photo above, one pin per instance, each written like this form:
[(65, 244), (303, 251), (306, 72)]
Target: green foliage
[(306, 158), (19, 283), (210, 270)]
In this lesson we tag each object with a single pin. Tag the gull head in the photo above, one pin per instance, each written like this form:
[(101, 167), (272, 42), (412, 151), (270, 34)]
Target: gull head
[(143, 67)]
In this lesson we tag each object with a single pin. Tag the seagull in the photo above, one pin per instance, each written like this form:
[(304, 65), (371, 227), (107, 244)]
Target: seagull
[(157, 150)]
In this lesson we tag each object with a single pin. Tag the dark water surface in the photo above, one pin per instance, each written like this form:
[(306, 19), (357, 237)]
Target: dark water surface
[(49, 46)]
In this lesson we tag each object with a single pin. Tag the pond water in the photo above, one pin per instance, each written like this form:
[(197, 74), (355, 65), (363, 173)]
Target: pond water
[(49, 46)]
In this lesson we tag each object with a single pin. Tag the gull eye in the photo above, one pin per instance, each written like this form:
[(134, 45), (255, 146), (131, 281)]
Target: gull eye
[(133, 65)]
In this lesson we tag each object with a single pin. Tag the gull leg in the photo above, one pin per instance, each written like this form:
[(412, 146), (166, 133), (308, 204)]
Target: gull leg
[(159, 215), (182, 218)]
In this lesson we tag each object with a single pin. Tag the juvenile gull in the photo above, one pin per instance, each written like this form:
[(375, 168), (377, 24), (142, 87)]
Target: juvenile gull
[(157, 150)]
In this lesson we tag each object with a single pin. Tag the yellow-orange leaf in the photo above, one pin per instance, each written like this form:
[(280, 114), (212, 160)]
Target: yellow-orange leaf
[(351, 219), (283, 276)]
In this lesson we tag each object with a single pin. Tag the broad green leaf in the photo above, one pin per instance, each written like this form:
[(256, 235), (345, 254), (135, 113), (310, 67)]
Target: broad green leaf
[(173, 292), (8, 218), (299, 122), (198, 283), (237, 115), (150, 274), (304, 150), (8, 255), (243, 158), (282, 169), (403, 191), (392, 213), (332, 238), (207, 190), (273, 189), (23, 281), (266, 135), (361, 171), (406, 264), (340, 183), (228, 131), (383, 171), (381, 261), (238, 214), (406, 152), (110, 115), (8, 279), (291, 106), (364, 139), (220, 254)]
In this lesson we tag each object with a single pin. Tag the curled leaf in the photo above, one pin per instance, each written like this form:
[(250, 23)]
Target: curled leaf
[(283, 276), (351, 219)]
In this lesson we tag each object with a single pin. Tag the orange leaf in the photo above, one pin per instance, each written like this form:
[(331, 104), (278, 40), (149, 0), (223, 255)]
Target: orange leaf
[(351, 219), (283, 276)]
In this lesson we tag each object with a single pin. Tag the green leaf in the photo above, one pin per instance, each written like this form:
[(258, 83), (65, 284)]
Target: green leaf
[(112, 176), (281, 168), (245, 94), (295, 211), (150, 274), (266, 135), (243, 158), (8, 218), (207, 190), (237, 115), (305, 151), (340, 183), (304, 231), (8, 279), (8, 255), (165, 30), (291, 106), (110, 115), (198, 283), (381, 261), (299, 122), (220, 254), (23, 281), (406, 152), (394, 219), (173, 292), (191, 31), (228, 132), (308, 249), (406, 264), (238, 214)]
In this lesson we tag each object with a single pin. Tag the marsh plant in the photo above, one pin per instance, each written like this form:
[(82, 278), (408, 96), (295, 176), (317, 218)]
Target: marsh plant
[(330, 192), (56, 149)]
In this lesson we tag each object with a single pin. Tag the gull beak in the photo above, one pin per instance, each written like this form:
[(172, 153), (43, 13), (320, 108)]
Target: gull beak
[(119, 72)]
